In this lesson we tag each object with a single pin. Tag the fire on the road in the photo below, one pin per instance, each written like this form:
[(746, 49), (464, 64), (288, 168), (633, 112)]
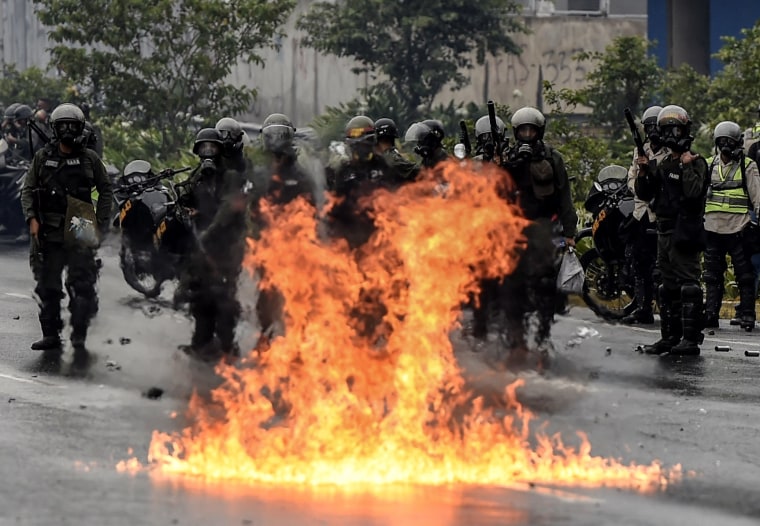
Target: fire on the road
[(342, 399)]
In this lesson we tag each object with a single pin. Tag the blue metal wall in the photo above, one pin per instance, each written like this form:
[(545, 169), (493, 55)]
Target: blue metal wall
[(727, 18)]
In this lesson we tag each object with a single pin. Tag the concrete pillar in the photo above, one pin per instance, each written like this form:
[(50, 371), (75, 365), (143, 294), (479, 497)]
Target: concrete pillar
[(689, 33)]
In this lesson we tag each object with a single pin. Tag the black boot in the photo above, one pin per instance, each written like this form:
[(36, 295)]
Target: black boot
[(692, 318), (670, 322), (643, 313), (47, 343), (713, 302), (746, 308)]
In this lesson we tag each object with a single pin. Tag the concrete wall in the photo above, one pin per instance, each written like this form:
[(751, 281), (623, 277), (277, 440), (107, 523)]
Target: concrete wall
[(547, 55), (298, 81)]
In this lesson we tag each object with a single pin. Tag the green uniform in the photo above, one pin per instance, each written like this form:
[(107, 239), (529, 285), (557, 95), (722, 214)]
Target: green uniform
[(405, 169), (53, 179)]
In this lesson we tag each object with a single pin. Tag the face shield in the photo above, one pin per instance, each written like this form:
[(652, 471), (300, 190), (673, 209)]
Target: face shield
[(277, 139), (209, 150)]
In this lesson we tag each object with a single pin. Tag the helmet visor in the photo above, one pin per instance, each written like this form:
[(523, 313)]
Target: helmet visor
[(209, 149), (277, 138), (526, 133), (677, 132)]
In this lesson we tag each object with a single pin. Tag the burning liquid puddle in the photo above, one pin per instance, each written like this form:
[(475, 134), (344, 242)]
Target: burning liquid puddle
[(364, 387)]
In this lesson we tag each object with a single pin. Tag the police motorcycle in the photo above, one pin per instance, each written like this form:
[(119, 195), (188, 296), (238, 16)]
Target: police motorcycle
[(608, 289), (13, 170), (156, 233)]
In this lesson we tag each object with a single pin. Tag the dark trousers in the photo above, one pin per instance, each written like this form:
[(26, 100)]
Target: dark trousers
[(718, 246), (641, 250), (48, 262)]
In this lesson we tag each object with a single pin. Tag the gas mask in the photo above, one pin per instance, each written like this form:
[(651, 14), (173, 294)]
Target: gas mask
[(69, 133), (653, 134), (676, 138), (729, 148), (208, 166)]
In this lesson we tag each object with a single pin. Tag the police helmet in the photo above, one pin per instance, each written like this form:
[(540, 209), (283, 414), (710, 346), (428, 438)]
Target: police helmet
[(524, 121), (10, 111), (67, 121), (231, 134), (22, 113), (277, 138), (483, 128), (728, 136), (386, 129), (650, 115), (208, 143), (278, 118)]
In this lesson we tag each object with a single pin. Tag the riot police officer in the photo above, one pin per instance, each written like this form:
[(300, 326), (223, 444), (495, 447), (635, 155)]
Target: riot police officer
[(354, 178), (209, 281), (17, 135), (678, 185), (386, 134), (641, 247), (734, 190), (428, 139), (281, 180), (486, 148), (233, 137), (56, 200), (542, 191)]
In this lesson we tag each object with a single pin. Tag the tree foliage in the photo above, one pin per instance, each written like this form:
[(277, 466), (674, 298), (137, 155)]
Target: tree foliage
[(31, 84), (625, 76), (413, 49), (160, 62), (735, 90)]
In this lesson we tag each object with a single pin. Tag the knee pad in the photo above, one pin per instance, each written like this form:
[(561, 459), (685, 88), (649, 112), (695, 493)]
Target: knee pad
[(691, 293), (712, 275), (668, 295)]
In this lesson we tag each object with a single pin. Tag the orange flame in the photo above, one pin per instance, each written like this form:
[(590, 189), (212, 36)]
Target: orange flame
[(340, 399)]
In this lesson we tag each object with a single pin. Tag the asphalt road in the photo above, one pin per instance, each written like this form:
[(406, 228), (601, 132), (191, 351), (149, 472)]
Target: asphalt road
[(61, 436)]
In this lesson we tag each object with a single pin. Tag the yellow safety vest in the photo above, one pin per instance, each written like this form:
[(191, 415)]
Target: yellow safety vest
[(728, 195)]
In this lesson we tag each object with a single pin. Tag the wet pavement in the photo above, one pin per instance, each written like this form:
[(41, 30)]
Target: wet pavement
[(61, 436)]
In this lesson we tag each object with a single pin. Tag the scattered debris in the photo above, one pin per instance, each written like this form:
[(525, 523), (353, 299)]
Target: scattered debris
[(82, 406), (711, 332), (124, 341), (703, 410), (17, 317), (581, 334), (154, 393), (113, 366), (608, 351), (639, 348), (722, 348), (151, 311), (753, 354), (11, 400), (109, 341)]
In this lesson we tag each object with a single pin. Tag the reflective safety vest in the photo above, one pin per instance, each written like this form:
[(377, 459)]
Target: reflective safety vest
[(728, 195)]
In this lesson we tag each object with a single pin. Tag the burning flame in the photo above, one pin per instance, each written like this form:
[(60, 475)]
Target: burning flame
[(342, 399)]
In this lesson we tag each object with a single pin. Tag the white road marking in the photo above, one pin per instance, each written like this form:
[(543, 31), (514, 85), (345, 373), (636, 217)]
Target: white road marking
[(19, 295)]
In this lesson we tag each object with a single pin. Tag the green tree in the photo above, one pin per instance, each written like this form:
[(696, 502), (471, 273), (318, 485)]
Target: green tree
[(735, 90), (160, 62), (413, 49), (32, 83), (625, 76)]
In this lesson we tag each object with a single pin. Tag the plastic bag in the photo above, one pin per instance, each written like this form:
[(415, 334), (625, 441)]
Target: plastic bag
[(571, 276)]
